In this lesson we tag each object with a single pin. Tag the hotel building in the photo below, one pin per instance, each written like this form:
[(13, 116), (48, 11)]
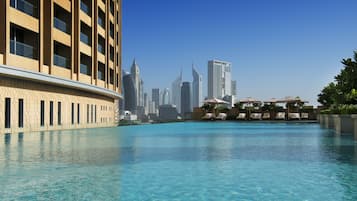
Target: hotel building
[(219, 79), (60, 64)]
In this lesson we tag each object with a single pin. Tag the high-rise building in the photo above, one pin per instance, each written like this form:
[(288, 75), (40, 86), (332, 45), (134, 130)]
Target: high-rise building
[(186, 106), (197, 97), (146, 103), (60, 64), (165, 97), (219, 79), (156, 97), (234, 88), (135, 74), (129, 93), (176, 92), (141, 93)]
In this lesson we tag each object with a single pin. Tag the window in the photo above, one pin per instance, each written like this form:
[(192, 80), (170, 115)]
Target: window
[(101, 44), (95, 113), (62, 55), (51, 113), (91, 114), (111, 31), (23, 42), (72, 114), (101, 18), (87, 113), (117, 81), (62, 19), (112, 7), (7, 112), (59, 113), (111, 78), (78, 113), (101, 71), (27, 6), (86, 6), (111, 53), (42, 113), (21, 113), (86, 34), (86, 65)]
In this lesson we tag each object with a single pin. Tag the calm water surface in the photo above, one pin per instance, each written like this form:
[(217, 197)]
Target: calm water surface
[(181, 161)]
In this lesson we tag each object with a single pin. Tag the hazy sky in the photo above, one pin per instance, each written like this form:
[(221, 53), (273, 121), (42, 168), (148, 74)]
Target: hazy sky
[(277, 47)]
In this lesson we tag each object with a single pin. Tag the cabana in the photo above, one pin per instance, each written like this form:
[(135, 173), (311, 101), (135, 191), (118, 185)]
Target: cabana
[(251, 103)]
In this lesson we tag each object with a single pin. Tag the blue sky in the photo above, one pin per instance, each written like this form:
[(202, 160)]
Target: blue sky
[(277, 47)]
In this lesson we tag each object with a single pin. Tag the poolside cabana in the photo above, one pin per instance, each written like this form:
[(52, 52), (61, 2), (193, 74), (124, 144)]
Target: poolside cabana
[(250, 103), (214, 102), (272, 112), (291, 103)]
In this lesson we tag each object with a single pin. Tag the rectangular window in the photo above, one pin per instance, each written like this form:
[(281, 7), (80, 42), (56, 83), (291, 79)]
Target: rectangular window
[(111, 31), (111, 53), (72, 114), (86, 65), (95, 113), (87, 113), (51, 113), (27, 6), (111, 76), (86, 34), (101, 18), (91, 114), (7, 112), (59, 113), (86, 7), (101, 44), (78, 113), (23, 42), (101, 71), (42, 113), (21, 113)]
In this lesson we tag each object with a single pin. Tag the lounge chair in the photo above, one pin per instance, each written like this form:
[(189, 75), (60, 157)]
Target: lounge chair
[(304, 115), (221, 116), (293, 115), (241, 116), (209, 116), (256, 116), (280, 116), (266, 116)]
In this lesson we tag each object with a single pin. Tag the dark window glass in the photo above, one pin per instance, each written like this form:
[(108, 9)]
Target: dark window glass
[(86, 65), (7, 112), (86, 34), (87, 113), (101, 71), (62, 55), (27, 6), (72, 113), (21, 113), (111, 30), (111, 53), (51, 113), (59, 113), (111, 76), (101, 18), (23, 42), (78, 113), (91, 114), (101, 44), (86, 7), (42, 113), (62, 19), (95, 113)]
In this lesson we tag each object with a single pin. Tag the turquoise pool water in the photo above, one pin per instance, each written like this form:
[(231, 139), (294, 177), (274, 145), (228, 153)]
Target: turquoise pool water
[(181, 161)]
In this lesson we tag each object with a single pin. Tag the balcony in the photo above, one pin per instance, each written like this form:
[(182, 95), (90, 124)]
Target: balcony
[(101, 18), (86, 7), (22, 49), (61, 61), (61, 25), (26, 6), (86, 65), (86, 34)]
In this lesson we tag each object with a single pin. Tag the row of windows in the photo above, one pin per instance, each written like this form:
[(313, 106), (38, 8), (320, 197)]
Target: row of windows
[(75, 113)]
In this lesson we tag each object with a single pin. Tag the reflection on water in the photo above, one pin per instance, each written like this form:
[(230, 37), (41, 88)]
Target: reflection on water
[(225, 146)]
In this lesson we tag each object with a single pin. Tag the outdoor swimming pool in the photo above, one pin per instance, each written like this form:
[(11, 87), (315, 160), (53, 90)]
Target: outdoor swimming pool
[(180, 161)]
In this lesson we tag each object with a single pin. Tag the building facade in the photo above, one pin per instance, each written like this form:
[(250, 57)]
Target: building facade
[(197, 96), (176, 92), (60, 64), (155, 95), (219, 79), (186, 106), (130, 96)]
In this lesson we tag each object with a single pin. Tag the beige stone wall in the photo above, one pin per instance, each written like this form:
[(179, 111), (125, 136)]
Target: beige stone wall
[(32, 93)]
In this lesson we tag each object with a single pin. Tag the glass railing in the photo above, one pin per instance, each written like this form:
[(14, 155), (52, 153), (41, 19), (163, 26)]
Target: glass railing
[(25, 7), (21, 49), (85, 69), (85, 38), (62, 25), (101, 75), (101, 22), (85, 8), (101, 48), (59, 60)]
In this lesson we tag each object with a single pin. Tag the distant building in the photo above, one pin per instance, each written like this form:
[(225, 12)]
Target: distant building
[(219, 79), (146, 103), (176, 92), (197, 97), (186, 106), (234, 88), (129, 93), (165, 97), (135, 74), (168, 113), (156, 97)]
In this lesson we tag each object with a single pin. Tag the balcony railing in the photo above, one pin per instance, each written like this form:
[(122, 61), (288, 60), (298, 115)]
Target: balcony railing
[(25, 7), (85, 38), (62, 25), (61, 61), (85, 69), (101, 48), (101, 22), (86, 8), (22, 49)]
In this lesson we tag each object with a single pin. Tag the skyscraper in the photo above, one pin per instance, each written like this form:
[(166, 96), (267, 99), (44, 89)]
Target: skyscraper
[(59, 61), (166, 97), (129, 93), (186, 106), (135, 74), (146, 103), (197, 97), (176, 92), (219, 79), (156, 97)]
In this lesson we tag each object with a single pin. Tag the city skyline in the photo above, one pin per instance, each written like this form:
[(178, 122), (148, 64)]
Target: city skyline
[(277, 48)]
